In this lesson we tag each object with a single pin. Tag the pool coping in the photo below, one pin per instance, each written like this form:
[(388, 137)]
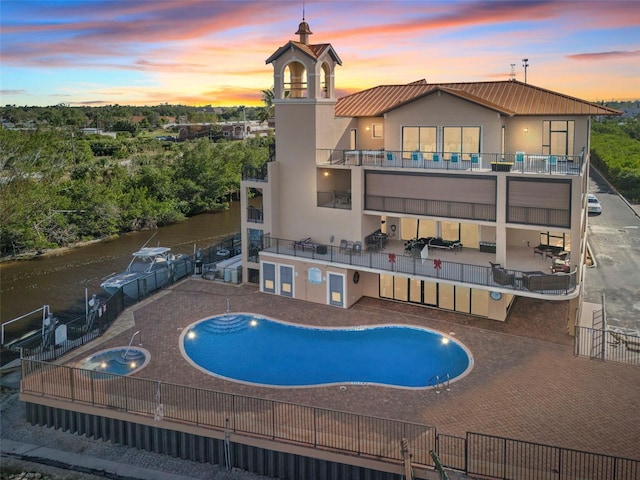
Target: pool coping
[(342, 385)]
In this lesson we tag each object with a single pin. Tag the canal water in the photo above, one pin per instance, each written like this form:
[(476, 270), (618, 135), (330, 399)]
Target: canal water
[(60, 279)]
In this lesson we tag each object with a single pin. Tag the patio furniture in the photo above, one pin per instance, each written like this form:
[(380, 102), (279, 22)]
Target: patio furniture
[(306, 244), (501, 166), (540, 250), (487, 247), (542, 282), (502, 276), (563, 267)]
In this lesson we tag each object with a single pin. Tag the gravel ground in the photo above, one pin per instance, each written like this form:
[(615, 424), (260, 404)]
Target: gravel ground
[(14, 427)]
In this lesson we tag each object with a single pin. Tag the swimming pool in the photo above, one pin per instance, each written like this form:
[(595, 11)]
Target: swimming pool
[(116, 361), (258, 350)]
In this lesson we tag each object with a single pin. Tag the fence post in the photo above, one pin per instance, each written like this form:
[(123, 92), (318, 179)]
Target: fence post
[(604, 329)]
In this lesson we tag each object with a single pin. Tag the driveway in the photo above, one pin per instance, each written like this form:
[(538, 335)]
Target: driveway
[(614, 238)]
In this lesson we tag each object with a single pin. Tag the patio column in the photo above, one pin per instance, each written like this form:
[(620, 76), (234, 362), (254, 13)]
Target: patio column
[(501, 216)]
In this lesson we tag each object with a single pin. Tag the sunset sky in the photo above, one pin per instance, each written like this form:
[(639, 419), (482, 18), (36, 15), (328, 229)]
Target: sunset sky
[(212, 52)]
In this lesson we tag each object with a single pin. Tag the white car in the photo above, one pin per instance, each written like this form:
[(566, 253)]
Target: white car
[(593, 204)]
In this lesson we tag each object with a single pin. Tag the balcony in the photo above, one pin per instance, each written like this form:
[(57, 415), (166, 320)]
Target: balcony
[(532, 276), (517, 162), (254, 214)]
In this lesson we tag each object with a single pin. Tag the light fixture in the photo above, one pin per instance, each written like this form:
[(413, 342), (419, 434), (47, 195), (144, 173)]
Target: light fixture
[(326, 174), (526, 130)]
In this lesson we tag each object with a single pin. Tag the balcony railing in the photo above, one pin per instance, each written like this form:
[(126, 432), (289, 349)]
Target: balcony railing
[(384, 262), (249, 172), (517, 162), (335, 199), (255, 214), (436, 208)]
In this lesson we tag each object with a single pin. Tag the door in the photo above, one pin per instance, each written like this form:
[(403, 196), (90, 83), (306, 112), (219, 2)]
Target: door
[(268, 273), (336, 289), (286, 280)]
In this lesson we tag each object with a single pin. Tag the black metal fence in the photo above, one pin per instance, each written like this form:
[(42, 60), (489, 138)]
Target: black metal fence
[(364, 436), (287, 422), (607, 345), (85, 328), (509, 459)]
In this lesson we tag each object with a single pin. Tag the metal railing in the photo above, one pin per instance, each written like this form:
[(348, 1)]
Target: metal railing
[(85, 328), (550, 284), (607, 345), (515, 162), (255, 214), (506, 458), (287, 422), (326, 429), (439, 208)]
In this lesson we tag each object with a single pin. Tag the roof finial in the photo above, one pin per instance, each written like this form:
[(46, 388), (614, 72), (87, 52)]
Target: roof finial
[(303, 29)]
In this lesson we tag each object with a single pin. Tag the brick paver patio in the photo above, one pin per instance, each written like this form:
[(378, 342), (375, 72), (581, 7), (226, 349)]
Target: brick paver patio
[(526, 384)]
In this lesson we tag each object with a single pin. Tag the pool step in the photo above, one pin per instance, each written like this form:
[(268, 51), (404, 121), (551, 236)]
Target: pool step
[(226, 324), (132, 354)]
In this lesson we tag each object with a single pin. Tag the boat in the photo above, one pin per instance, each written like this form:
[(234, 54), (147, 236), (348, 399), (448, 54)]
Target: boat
[(151, 268)]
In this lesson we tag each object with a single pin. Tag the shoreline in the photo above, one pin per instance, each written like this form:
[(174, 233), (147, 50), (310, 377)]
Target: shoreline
[(49, 252)]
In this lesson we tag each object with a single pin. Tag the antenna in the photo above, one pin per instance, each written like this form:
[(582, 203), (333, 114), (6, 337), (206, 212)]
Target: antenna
[(525, 65), (303, 11), (512, 75)]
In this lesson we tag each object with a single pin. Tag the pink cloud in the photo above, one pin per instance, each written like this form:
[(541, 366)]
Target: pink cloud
[(597, 56)]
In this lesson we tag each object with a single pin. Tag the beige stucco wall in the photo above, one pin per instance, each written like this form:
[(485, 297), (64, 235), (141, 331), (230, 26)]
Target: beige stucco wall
[(442, 109), (530, 141)]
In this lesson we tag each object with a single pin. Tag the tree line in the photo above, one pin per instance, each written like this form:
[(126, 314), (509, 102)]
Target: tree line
[(133, 119), (615, 152), (57, 189)]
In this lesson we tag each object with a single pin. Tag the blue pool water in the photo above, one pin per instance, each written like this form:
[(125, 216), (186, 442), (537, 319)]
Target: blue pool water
[(116, 361), (258, 350)]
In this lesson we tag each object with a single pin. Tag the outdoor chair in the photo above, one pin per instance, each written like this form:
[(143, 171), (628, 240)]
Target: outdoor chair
[(343, 246), (501, 276)]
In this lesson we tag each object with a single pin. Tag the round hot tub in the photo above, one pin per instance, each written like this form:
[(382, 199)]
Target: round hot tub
[(116, 361)]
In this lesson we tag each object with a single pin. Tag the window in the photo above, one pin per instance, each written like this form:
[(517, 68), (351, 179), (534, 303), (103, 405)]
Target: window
[(558, 137), (422, 139), (376, 130), (465, 140)]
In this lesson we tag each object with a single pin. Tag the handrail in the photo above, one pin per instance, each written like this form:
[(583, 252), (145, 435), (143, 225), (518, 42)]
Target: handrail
[(559, 283), (515, 162)]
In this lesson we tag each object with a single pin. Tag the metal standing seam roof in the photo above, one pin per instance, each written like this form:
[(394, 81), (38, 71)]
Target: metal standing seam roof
[(314, 51), (509, 97)]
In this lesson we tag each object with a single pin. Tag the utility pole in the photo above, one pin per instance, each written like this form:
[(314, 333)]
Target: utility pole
[(525, 64)]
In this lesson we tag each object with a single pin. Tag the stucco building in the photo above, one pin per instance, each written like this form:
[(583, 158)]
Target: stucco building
[(457, 196)]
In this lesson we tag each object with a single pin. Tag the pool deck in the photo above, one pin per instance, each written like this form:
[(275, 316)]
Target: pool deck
[(526, 383)]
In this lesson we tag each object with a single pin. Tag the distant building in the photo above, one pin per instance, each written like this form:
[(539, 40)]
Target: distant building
[(97, 131)]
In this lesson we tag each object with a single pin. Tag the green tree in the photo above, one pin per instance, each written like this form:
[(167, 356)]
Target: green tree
[(268, 110)]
